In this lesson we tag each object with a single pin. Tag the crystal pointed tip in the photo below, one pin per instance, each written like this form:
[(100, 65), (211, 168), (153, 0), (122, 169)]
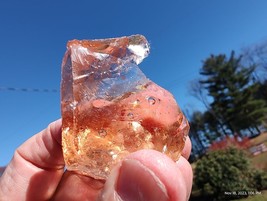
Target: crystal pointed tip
[(110, 109)]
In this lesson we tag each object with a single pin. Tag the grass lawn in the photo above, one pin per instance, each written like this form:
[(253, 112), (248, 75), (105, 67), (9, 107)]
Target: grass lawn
[(260, 161), (259, 139)]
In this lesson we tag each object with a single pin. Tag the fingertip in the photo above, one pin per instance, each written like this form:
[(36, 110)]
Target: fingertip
[(37, 161), (187, 173), (131, 180), (55, 130), (187, 148), (166, 170), (148, 174)]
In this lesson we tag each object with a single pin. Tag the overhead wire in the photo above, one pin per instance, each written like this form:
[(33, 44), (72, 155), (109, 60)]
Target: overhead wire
[(31, 90), (16, 89), (167, 85)]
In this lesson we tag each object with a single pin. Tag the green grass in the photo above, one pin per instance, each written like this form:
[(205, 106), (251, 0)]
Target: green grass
[(260, 161), (259, 139), (260, 197)]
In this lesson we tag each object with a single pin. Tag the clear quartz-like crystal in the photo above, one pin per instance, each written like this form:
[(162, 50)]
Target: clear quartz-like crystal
[(110, 109)]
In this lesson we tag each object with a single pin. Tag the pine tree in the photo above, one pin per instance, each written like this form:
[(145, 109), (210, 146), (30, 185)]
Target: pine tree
[(230, 86), (197, 136)]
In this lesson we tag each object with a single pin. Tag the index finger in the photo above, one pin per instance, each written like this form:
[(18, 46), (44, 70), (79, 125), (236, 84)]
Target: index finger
[(36, 167)]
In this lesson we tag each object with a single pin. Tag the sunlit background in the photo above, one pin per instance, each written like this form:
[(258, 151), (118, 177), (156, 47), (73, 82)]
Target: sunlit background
[(182, 35)]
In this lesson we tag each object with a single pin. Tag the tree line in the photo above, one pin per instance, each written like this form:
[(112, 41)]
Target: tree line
[(233, 89)]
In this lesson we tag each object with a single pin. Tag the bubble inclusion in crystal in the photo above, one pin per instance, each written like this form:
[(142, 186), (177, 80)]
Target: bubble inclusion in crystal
[(103, 91), (102, 132), (151, 100)]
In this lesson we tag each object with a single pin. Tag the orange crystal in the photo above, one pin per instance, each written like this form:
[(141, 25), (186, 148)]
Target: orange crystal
[(110, 109)]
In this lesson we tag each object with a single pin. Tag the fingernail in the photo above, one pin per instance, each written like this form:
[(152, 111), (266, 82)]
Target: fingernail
[(137, 182)]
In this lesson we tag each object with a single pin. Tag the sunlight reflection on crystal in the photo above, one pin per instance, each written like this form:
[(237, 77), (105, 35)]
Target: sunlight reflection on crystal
[(73, 104), (111, 109), (164, 149), (136, 125), (82, 137), (136, 103), (66, 130)]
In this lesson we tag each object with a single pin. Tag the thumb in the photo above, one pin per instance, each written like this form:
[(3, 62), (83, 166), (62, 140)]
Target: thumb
[(148, 175), (131, 180)]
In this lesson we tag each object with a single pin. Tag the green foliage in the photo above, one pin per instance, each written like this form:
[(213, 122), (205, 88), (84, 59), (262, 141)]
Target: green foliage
[(229, 84), (236, 101), (197, 132), (226, 170), (261, 92), (259, 179)]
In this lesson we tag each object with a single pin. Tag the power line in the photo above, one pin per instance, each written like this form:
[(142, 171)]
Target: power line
[(168, 85), (16, 89)]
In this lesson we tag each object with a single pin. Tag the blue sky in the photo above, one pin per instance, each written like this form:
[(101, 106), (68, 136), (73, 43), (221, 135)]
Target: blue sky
[(182, 33)]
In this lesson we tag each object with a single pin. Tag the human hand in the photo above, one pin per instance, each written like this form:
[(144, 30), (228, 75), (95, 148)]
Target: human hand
[(36, 172)]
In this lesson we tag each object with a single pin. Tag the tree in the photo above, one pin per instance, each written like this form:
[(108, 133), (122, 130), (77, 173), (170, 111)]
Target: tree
[(227, 170), (204, 129), (230, 86), (211, 119), (257, 55), (197, 135), (261, 93)]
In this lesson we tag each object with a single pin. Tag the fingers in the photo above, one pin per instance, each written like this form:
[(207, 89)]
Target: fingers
[(187, 174), (187, 148), (145, 171), (44, 149), (75, 187), (149, 175), (36, 167)]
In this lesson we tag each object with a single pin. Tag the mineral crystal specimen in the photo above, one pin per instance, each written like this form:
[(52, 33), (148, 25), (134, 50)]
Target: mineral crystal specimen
[(110, 109)]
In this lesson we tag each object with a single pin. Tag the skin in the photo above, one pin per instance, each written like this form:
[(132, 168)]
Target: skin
[(36, 172)]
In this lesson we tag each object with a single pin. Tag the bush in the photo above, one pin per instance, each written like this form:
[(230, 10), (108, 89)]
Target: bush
[(223, 174), (259, 179)]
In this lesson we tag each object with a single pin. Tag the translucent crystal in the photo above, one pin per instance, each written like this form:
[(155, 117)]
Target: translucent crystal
[(110, 109)]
